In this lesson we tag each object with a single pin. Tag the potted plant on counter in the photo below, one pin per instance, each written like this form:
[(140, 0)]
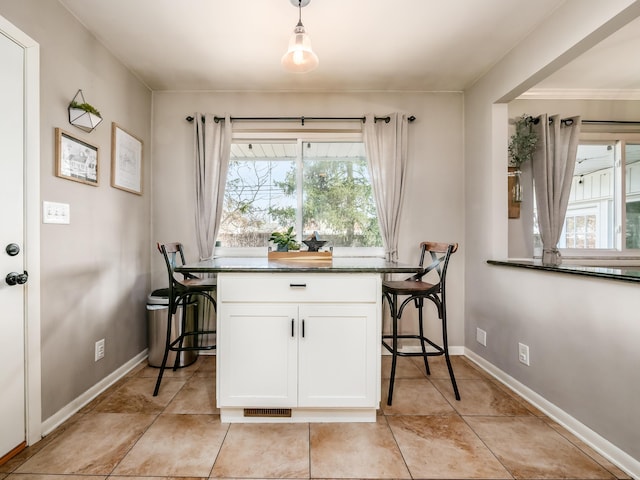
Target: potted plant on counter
[(285, 241)]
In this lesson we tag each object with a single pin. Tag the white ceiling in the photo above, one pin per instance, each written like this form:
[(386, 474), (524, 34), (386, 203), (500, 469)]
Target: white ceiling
[(415, 45)]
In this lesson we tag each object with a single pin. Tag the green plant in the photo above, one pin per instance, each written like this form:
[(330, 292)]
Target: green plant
[(86, 107), (285, 240), (523, 142)]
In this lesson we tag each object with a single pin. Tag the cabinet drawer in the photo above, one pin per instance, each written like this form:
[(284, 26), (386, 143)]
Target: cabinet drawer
[(298, 287)]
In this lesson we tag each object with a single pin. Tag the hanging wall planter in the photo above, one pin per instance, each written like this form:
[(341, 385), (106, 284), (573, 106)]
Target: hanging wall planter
[(522, 145), (83, 115), (515, 192)]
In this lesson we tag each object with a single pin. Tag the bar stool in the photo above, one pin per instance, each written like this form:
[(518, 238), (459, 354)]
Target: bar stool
[(417, 291), (181, 293)]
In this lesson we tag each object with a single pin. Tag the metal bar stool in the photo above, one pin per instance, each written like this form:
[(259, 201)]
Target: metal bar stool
[(417, 291), (181, 293)]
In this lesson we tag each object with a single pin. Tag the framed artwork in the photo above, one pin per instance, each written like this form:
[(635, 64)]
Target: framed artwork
[(126, 160), (76, 159)]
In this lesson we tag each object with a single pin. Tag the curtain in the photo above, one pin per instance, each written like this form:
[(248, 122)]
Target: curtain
[(213, 146), (386, 148), (553, 164)]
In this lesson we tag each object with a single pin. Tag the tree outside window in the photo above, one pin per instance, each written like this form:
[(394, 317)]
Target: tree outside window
[(325, 188)]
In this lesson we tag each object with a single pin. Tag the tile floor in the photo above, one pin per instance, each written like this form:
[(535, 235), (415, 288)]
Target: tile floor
[(426, 434)]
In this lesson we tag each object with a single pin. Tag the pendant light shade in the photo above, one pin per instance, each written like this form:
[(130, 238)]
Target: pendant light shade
[(300, 58)]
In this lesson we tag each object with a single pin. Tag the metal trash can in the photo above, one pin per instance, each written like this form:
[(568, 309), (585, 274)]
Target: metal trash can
[(157, 311)]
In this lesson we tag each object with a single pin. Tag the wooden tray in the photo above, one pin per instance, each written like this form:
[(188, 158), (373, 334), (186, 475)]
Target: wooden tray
[(297, 255)]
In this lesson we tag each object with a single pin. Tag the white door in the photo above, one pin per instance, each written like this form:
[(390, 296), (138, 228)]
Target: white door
[(12, 259), (346, 373)]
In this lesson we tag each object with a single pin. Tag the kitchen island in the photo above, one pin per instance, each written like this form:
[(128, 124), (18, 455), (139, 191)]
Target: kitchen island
[(298, 340)]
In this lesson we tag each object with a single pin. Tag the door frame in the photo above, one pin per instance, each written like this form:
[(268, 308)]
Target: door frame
[(31, 247)]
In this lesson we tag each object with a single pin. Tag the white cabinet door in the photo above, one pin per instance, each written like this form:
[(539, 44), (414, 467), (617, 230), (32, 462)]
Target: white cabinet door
[(257, 352), (337, 356)]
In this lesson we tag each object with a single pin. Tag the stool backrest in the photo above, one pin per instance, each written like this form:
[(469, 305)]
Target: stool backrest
[(172, 253), (439, 255)]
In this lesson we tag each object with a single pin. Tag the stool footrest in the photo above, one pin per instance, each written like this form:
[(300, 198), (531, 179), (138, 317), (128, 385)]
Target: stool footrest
[(439, 350)]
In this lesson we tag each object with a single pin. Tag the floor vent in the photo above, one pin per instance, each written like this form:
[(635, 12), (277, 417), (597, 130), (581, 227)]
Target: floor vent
[(267, 412)]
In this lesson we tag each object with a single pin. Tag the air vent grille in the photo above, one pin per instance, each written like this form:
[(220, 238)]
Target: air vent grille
[(267, 412)]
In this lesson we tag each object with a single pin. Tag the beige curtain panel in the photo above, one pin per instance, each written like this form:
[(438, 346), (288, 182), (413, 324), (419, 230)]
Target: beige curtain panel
[(386, 147), (553, 164), (212, 150)]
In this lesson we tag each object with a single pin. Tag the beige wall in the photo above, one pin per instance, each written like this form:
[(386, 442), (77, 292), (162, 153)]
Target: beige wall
[(581, 331), (95, 271), (433, 206)]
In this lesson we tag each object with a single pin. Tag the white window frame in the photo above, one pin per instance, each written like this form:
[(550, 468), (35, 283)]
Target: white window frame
[(619, 253), (249, 135)]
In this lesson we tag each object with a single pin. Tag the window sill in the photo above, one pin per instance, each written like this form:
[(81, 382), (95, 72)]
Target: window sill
[(624, 273)]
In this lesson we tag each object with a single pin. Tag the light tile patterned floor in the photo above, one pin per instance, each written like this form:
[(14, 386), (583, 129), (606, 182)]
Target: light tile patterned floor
[(490, 434)]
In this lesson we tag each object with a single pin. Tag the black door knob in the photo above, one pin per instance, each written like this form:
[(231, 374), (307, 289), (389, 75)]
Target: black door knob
[(12, 249), (14, 278)]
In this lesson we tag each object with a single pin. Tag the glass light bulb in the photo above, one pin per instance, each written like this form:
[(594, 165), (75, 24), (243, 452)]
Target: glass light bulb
[(299, 57)]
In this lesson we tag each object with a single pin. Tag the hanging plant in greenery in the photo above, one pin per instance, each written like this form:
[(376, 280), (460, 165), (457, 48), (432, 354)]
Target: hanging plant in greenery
[(86, 107), (523, 142)]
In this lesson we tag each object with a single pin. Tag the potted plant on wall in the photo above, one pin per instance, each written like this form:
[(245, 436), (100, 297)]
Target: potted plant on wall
[(522, 145), (285, 241)]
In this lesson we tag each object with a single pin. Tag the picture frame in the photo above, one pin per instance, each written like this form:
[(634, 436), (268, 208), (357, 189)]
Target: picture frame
[(126, 160), (76, 159)]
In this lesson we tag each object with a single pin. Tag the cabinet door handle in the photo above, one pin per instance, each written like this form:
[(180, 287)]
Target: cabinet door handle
[(292, 333), (298, 285), (303, 328)]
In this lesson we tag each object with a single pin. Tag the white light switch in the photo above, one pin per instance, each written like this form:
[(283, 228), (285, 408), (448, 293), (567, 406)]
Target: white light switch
[(56, 213)]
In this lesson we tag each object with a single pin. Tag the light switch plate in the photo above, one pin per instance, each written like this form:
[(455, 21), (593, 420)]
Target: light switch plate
[(56, 213)]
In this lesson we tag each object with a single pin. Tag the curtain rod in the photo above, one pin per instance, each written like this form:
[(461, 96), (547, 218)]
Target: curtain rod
[(299, 119), (568, 121)]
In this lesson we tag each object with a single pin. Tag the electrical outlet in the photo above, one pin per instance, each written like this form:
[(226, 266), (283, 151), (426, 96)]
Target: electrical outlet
[(99, 349), (523, 353), (481, 337)]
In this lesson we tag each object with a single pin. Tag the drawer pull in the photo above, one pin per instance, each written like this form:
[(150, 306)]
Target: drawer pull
[(298, 285)]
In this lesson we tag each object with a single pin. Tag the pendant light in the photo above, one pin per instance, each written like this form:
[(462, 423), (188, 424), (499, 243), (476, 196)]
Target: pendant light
[(299, 57)]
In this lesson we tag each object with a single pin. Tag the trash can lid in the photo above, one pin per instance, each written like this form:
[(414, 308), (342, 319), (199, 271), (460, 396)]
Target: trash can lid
[(158, 297)]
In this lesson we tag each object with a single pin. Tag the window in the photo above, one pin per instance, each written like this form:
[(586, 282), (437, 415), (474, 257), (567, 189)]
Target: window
[(321, 186), (603, 214)]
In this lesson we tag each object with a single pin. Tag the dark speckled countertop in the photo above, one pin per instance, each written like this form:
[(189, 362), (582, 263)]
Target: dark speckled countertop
[(263, 264), (624, 273)]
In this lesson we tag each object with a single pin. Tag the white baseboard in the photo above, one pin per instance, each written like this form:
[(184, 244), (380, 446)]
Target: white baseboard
[(615, 455), (74, 406)]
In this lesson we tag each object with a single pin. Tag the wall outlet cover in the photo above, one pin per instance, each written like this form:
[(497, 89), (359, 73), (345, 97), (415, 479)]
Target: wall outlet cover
[(481, 337), (523, 353), (99, 352)]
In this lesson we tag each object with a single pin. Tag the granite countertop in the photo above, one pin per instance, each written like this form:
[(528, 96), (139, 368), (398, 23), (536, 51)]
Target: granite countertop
[(332, 265), (624, 273)]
